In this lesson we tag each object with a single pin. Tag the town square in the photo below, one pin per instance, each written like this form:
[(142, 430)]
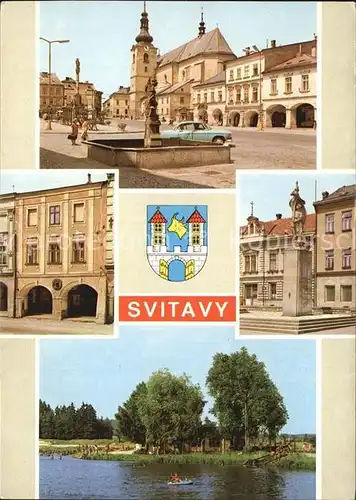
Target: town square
[(178, 111)]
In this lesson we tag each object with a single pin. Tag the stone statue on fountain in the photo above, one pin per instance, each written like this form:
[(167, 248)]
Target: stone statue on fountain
[(152, 122)]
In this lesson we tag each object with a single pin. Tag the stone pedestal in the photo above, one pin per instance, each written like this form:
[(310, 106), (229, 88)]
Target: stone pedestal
[(297, 285)]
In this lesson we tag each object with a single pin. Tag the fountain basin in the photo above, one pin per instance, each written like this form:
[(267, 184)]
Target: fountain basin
[(173, 153)]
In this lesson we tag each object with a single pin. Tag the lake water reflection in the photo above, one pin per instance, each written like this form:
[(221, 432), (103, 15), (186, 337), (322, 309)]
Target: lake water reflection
[(73, 478)]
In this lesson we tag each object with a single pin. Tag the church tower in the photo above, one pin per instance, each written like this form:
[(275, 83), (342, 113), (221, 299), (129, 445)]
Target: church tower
[(143, 64)]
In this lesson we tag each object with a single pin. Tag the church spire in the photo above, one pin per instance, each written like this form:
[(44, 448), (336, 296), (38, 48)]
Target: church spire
[(201, 24), (144, 35)]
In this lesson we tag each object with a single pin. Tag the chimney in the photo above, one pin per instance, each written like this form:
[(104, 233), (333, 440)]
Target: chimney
[(89, 178), (313, 51), (325, 195), (247, 51), (273, 44), (278, 216)]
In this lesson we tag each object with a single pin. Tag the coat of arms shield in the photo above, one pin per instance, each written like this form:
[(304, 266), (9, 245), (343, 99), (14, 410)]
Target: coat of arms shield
[(177, 240)]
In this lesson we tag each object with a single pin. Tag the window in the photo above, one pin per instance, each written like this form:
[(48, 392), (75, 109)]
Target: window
[(32, 217), (346, 258), (198, 98), (346, 293), (251, 291), (273, 86), (305, 83), (166, 111), (220, 97), (246, 91), (205, 97), (254, 94), (238, 73), (329, 293), (238, 94), (133, 59), (3, 249), (255, 70), (273, 290), (196, 240), (231, 77), (329, 260), (231, 98), (78, 248), (78, 212), (31, 251), (251, 263), (181, 100), (212, 96), (54, 215), (157, 239), (54, 250), (246, 70), (273, 261), (346, 220), (145, 58), (329, 223), (145, 69), (288, 85)]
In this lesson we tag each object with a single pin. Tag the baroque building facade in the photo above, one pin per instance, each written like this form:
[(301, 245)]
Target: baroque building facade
[(261, 258), (62, 253), (274, 86), (336, 249), (7, 255)]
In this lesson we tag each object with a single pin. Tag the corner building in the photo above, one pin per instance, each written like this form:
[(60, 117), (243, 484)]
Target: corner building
[(64, 258)]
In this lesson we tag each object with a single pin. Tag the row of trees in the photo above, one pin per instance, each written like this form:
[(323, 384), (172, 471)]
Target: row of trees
[(68, 422), (167, 409)]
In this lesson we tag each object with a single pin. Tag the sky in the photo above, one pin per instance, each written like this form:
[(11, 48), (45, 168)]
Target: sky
[(101, 33), (105, 372), (23, 181), (270, 193)]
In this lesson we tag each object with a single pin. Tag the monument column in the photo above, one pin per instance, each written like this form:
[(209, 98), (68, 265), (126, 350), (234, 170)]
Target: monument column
[(297, 285)]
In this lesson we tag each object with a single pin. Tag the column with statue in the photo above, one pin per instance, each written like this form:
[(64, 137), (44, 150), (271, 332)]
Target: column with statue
[(297, 281)]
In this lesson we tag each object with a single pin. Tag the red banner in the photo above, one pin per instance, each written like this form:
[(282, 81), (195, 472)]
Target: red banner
[(181, 308)]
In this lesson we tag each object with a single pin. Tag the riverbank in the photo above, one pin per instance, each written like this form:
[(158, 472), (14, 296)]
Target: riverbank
[(294, 461)]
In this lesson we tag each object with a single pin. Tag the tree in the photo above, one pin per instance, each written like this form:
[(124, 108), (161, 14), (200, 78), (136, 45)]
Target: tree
[(245, 398), (171, 411), (86, 422), (47, 429), (129, 423)]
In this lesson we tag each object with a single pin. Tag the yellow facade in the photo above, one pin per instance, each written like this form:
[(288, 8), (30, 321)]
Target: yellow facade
[(336, 249)]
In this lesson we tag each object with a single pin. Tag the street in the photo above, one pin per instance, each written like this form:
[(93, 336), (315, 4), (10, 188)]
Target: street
[(254, 149), (40, 326)]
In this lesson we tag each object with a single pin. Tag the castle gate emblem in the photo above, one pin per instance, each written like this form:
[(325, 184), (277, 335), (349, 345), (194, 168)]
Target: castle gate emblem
[(177, 240)]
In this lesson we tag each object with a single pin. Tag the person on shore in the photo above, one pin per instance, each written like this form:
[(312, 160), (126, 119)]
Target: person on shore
[(74, 134)]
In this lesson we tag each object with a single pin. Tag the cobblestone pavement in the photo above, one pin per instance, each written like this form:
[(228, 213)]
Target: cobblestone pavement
[(34, 326), (253, 149)]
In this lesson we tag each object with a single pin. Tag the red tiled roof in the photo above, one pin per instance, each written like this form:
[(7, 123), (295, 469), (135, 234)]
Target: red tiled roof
[(157, 218), (195, 218), (280, 227)]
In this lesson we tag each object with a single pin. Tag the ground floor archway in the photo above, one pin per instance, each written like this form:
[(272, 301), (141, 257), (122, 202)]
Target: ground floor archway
[(218, 116), (3, 297), (82, 301), (39, 301), (304, 116), (176, 270), (251, 119), (235, 119)]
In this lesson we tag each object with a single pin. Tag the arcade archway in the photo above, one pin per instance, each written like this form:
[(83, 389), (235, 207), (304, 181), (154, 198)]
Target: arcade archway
[(3, 297), (304, 116), (82, 301), (39, 301), (251, 119)]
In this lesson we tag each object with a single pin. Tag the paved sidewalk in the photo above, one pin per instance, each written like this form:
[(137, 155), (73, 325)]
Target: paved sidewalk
[(40, 326)]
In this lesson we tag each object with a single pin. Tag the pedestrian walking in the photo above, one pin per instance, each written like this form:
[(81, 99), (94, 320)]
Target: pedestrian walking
[(85, 128), (74, 135)]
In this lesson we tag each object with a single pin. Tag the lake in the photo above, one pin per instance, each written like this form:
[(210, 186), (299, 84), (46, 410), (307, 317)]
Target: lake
[(74, 478)]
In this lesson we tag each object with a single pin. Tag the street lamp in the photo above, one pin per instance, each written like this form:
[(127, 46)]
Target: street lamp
[(49, 125), (260, 125)]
